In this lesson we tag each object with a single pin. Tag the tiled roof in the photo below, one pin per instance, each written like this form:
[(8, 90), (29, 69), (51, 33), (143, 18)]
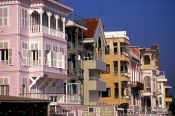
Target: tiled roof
[(91, 25)]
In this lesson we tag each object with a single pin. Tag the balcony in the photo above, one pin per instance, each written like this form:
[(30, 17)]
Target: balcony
[(55, 98), (137, 85), (91, 63), (125, 76), (3, 63), (95, 84), (37, 30)]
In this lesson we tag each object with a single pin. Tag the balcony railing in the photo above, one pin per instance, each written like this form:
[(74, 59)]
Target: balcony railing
[(58, 98), (125, 73), (36, 29), (93, 78), (3, 63)]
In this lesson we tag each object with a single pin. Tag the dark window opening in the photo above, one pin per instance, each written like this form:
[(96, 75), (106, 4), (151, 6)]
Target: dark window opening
[(106, 93), (147, 60), (116, 95), (115, 48), (107, 50), (4, 54), (35, 55), (115, 68)]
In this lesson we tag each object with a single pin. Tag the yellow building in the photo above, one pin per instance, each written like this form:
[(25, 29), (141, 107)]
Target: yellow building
[(116, 75)]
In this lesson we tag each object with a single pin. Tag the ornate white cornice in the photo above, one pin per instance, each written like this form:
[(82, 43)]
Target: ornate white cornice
[(9, 2)]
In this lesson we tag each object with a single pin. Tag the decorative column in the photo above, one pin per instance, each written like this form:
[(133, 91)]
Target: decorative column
[(56, 18), (30, 20), (49, 14), (64, 23), (41, 11)]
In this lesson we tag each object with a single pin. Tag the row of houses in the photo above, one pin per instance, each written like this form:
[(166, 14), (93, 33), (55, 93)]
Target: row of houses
[(46, 53)]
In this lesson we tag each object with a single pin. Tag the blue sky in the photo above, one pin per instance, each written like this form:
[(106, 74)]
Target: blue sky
[(146, 22)]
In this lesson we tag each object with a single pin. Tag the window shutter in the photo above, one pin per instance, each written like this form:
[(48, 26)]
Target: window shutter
[(49, 59), (29, 57), (25, 53), (1, 81), (39, 57), (1, 45), (5, 45), (63, 61), (59, 60), (10, 56), (32, 46), (24, 56), (5, 81), (54, 59)]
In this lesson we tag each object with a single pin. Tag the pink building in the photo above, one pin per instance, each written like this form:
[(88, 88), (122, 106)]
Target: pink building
[(33, 49), (136, 78)]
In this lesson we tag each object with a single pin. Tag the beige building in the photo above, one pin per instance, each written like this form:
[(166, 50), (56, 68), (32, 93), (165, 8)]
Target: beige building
[(93, 62)]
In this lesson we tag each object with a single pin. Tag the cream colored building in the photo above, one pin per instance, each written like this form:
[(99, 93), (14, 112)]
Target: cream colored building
[(93, 62), (150, 67)]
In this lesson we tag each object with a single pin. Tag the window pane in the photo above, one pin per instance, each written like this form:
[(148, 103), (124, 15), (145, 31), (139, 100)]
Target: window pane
[(5, 21), (0, 12), (22, 13), (0, 21), (5, 12), (25, 13)]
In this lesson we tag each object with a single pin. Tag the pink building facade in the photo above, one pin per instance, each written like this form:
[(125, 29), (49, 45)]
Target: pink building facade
[(33, 48), (136, 77)]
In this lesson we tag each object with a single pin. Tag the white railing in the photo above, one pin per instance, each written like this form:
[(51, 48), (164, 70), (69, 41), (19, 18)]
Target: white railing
[(58, 98), (93, 78), (125, 73), (36, 29), (45, 30)]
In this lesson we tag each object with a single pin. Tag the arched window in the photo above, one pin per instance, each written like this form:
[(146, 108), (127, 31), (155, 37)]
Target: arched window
[(60, 25), (45, 19), (35, 18), (99, 44), (53, 22), (147, 60)]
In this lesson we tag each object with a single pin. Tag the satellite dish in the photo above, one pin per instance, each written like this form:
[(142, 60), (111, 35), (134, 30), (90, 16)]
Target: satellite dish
[(157, 72)]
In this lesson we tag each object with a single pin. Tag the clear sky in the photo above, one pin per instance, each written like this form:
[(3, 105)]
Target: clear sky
[(146, 22)]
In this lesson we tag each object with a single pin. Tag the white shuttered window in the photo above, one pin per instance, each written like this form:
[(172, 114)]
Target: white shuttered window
[(3, 16)]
